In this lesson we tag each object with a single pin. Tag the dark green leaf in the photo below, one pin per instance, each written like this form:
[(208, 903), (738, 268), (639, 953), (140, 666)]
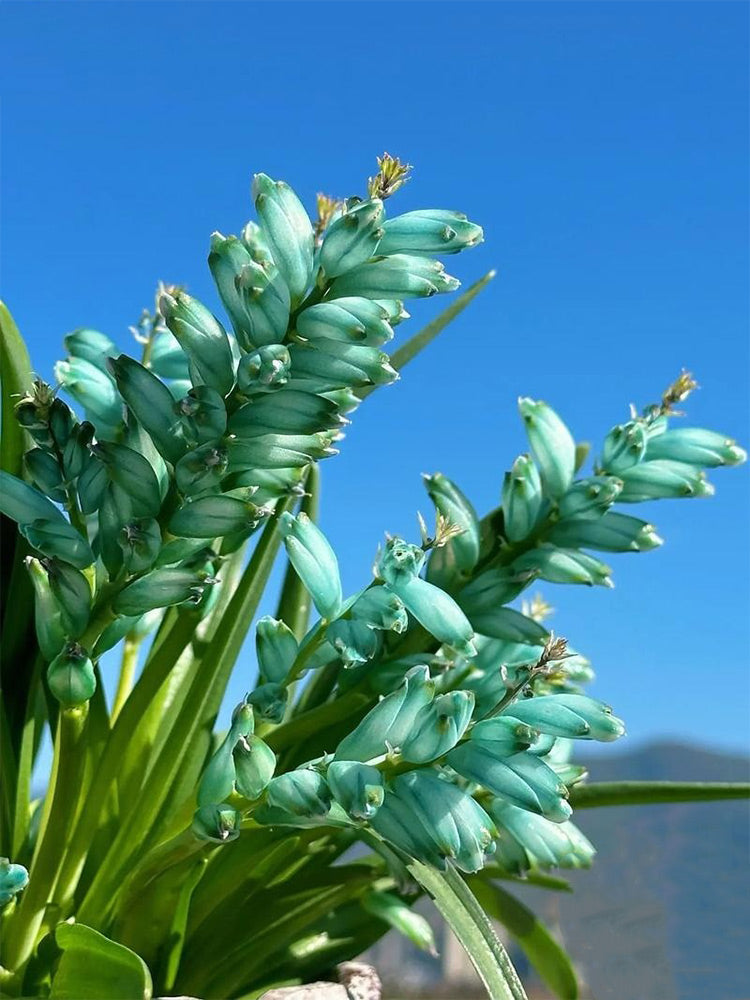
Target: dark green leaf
[(15, 379)]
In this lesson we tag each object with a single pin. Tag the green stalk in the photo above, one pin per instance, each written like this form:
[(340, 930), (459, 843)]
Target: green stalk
[(128, 666), (124, 731), (196, 713), (60, 808)]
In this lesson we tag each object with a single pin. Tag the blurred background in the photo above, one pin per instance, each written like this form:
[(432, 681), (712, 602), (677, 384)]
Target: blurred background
[(604, 148)]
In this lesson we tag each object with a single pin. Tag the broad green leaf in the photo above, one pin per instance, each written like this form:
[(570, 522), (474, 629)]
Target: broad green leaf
[(15, 380), (637, 793), (546, 955), (464, 915), (93, 967), (408, 351)]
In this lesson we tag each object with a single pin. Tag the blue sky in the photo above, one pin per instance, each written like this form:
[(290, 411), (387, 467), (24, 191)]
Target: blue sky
[(604, 148)]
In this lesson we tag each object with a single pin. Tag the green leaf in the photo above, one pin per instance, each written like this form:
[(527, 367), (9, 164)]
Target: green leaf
[(546, 955), (464, 915), (15, 379), (408, 351), (638, 793), (93, 967)]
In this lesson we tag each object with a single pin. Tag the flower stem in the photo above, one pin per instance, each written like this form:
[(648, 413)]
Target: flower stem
[(128, 666)]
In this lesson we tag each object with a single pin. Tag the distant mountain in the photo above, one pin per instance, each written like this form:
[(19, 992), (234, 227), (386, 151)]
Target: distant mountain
[(664, 914)]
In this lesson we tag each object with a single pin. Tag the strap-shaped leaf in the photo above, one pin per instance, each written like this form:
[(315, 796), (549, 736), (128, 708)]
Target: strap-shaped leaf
[(15, 379), (465, 917), (546, 954), (408, 351), (638, 793), (93, 967)]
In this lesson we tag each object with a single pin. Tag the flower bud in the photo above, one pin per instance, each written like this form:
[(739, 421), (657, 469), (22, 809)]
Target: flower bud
[(269, 702), (278, 451), (574, 716), (521, 779), (314, 561), (255, 240), (398, 562), (60, 540), (140, 542), (266, 304), (354, 641), (201, 470), (134, 474), (381, 609), (548, 844), (202, 338), (93, 388), (254, 763), (288, 232), (219, 824), (45, 470), (624, 447), (590, 497), (389, 723), (663, 479), (213, 516), (50, 632), (13, 879), (72, 592), (438, 727), (151, 403), (459, 827), (352, 320), (502, 736), (285, 412), (226, 260), (399, 915), (91, 345), (429, 231), (167, 358), (564, 566), (265, 370), (76, 453), (341, 365), (695, 446), (552, 444), (506, 623), (358, 788), (457, 509), (303, 793), (614, 532), (161, 588), (71, 677), (276, 648), (24, 504), (492, 589), (522, 499), (438, 613), (399, 276), (202, 414), (396, 822), (353, 238)]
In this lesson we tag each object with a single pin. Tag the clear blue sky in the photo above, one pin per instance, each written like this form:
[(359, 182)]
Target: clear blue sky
[(604, 148)]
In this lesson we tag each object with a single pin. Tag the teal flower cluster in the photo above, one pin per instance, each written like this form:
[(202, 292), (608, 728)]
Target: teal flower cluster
[(431, 715), (465, 757)]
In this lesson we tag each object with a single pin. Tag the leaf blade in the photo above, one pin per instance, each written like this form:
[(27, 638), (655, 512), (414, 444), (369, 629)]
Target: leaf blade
[(634, 793), (458, 905), (92, 966), (546, 954)]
